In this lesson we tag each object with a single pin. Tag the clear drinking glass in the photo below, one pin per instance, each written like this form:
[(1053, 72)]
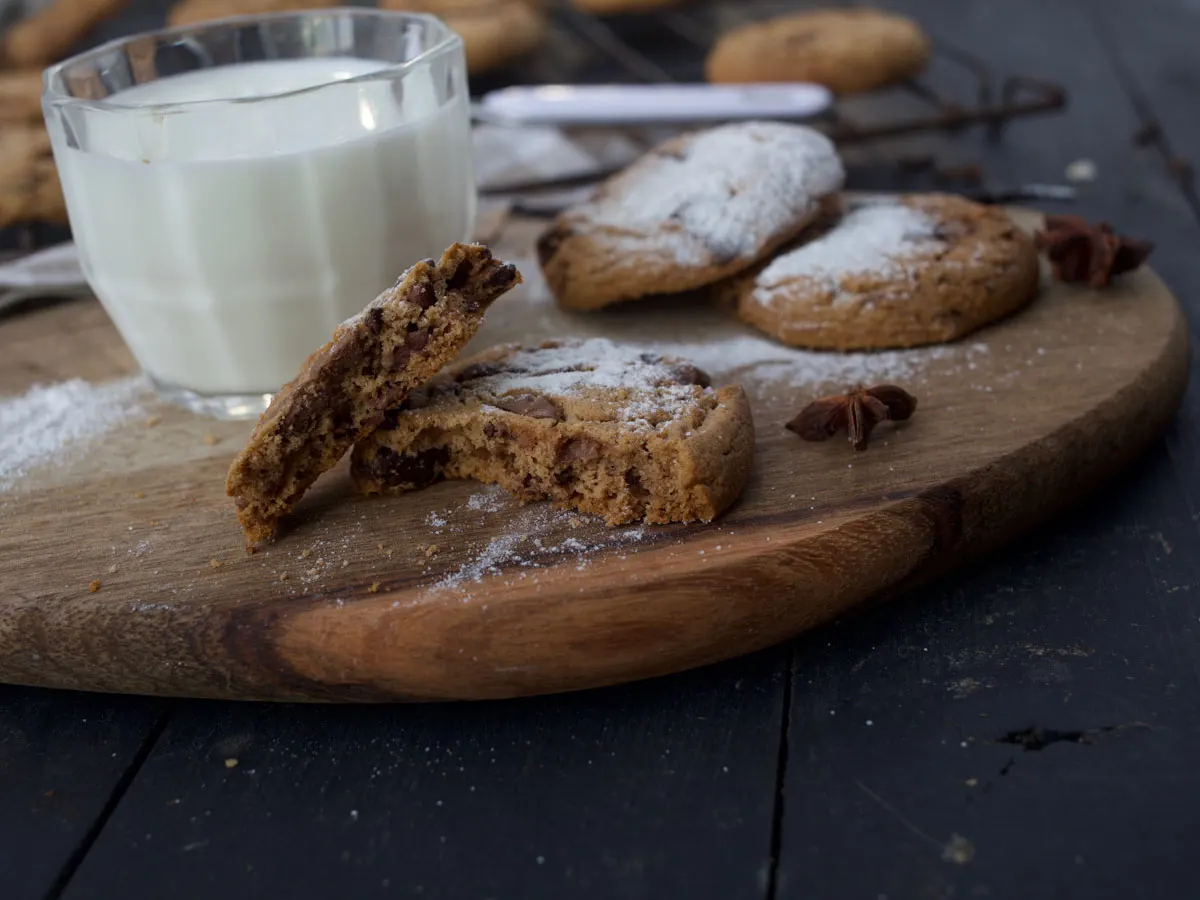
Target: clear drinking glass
[(238, 188)]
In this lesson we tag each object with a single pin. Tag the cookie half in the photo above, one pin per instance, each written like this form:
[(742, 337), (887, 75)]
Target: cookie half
[(589, 425), (847, 50), (895, 272), (374, 360), (694, 210)]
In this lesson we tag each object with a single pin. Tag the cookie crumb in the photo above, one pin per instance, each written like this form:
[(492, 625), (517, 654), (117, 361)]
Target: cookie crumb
[(374, 588), (139, 495), (215, 563), (94, 586), (431, 549), (231, 763), (576, 522), (211, 439), (305, 554), (152, 421), (112, 570), (285, 577)]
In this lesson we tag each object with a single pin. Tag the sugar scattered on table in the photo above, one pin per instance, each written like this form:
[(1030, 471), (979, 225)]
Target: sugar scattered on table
[(42, 426), (492, 500), (529, 541)]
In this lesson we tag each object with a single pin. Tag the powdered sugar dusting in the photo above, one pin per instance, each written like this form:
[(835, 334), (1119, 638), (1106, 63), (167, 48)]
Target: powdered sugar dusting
[(492, 499), (649, 391), (41, 426), (872, 238), (531, 540), (724, 194), (723, 347)]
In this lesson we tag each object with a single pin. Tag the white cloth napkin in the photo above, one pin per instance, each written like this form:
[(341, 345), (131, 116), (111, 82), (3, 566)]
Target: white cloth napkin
[(503, 156)]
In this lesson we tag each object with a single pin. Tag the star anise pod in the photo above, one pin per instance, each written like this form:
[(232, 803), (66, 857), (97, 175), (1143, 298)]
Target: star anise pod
[(1080, 251), (857, 413)]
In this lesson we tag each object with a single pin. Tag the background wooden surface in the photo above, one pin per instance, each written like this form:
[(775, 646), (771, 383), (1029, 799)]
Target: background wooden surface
[(843, 765)]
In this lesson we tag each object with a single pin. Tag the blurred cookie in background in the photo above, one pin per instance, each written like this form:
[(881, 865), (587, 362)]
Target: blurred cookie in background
[(494, 32), (194, 12), (29, 187), (847, 50), (615, 7), (49, 33), (21, 96)]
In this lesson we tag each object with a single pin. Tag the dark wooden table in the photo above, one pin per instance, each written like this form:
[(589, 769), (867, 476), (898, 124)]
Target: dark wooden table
[(1029, 728)]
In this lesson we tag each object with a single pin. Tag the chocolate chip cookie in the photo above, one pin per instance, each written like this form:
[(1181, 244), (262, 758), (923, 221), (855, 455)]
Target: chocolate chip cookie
[(590, 425), (894, 272), (847, 50), (341, 394), (694, 210)]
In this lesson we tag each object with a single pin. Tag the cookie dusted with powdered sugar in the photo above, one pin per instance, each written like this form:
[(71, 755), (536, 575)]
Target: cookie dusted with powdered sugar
[(696, 209), (895, 272), (343, 390), (589, 425)]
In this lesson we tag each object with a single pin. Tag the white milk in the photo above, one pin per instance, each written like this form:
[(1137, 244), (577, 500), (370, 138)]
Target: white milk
[(227, 242)]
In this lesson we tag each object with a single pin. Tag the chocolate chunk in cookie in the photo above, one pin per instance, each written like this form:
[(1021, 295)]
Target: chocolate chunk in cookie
[(894, 272), (374, 360), (590, 425), (697, 209)]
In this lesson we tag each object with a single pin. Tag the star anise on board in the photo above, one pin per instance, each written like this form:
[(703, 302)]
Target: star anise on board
[(857, 412), (1080, 251)]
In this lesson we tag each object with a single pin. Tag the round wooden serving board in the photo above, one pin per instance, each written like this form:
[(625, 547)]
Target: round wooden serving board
[(457, 592)]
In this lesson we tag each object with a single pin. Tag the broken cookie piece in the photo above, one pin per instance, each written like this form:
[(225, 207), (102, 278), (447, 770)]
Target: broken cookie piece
[(590, 425), (374, 360)]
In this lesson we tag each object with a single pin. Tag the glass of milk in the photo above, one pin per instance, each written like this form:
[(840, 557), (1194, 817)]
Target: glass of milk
[(236, 189)]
